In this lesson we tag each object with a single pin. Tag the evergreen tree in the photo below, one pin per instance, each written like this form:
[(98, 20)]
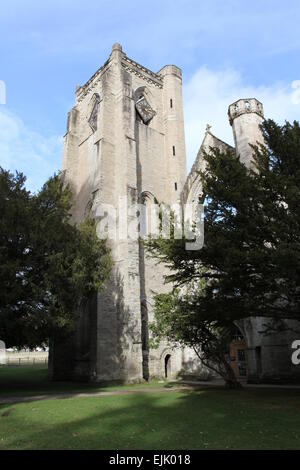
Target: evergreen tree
[(47, 265), (250, 262)]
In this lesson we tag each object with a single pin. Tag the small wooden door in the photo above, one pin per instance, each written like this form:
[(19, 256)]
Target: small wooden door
[(238, 357)]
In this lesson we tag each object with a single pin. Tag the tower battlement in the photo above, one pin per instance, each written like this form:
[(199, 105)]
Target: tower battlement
[(245, 106)]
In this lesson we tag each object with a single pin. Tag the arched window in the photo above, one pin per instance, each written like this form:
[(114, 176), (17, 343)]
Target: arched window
[(93, 112), (150, 215), (89, 208)]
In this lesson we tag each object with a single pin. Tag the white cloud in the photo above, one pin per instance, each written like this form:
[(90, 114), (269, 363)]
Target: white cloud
[(22, 149), (208, 94)]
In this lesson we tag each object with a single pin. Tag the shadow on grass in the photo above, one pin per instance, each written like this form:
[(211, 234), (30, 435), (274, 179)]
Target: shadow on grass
[(208, 419), (33, 380)]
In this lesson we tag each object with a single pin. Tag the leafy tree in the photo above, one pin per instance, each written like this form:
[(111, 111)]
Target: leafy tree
[(177, 319), (47, 265), (250, 261)]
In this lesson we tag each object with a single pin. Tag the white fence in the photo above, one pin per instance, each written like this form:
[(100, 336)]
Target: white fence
[(23, 358)]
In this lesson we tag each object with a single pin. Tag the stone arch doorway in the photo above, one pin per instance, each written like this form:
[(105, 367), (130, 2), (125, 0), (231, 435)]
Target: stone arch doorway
[(238, 355), (168, 366)]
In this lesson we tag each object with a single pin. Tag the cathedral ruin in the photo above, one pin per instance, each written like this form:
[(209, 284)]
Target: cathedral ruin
[(125, 139)]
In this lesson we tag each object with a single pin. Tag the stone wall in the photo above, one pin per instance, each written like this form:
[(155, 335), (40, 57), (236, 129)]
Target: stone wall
[(125, 138)]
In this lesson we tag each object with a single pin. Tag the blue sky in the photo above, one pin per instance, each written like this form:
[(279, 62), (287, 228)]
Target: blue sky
[(226, 49)]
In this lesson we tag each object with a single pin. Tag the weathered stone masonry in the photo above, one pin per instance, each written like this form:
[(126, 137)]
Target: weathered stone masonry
[(125, 139)]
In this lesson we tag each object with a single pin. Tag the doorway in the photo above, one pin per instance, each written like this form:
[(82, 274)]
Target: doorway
[(168, 366), (238, 355)]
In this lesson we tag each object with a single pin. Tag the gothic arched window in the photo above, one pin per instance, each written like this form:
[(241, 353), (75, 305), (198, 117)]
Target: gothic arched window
[(93, 112), (149, 218)]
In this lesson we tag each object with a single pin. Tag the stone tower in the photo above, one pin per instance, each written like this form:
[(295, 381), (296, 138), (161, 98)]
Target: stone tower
[(269, 356), (125, 145), (124, 142), (245, 117)]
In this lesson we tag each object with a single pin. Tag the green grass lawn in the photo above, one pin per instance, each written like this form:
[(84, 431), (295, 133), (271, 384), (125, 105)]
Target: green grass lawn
[(203, 419)]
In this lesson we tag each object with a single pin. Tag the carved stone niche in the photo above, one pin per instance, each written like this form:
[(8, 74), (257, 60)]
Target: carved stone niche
[(93, 112), (142, 105)]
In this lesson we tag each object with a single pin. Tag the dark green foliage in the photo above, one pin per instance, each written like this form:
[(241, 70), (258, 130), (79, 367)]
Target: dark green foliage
[(250, 262), (47, 265)]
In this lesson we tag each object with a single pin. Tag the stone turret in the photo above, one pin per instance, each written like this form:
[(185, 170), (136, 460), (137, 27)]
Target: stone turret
[(174, 129), (245, 117)]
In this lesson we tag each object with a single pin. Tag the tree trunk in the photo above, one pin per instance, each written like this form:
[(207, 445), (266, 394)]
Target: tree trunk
[(223, 369)]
